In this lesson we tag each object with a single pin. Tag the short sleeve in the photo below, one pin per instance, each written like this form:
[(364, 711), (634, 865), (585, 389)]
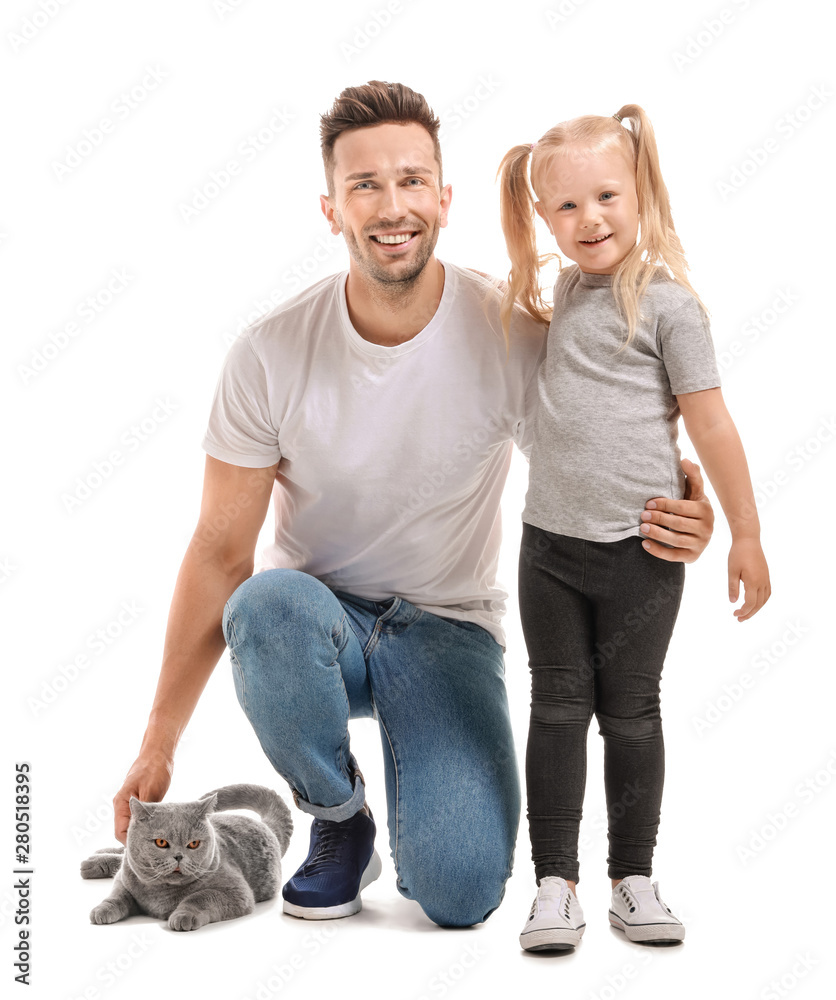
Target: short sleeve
[(687, 350), (240, 430)]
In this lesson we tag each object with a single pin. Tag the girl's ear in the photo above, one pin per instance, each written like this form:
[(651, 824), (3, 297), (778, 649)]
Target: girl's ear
[(538, 208)]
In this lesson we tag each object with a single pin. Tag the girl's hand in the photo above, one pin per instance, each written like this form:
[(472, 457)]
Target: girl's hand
[(747, 564)]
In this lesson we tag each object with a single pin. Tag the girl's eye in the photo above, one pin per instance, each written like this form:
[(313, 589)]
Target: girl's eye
[(193, 844), (567, 204), (160, 842), (607, 194)]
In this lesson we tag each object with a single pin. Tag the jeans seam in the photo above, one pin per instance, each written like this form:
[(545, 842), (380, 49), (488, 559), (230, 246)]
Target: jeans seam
[(234, 659), (336, 663), (397, 793)]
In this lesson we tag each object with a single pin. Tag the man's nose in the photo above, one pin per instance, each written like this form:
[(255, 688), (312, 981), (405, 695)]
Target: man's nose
[(392, 205)]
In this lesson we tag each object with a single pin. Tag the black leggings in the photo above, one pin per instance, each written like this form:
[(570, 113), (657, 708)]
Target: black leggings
[(597, 619)]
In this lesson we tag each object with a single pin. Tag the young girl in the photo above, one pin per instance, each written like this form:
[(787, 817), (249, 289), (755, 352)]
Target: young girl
[(629, 349)]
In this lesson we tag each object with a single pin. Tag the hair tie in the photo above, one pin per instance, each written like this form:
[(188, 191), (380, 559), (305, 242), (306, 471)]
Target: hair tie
[(533, 145), (617, 118)]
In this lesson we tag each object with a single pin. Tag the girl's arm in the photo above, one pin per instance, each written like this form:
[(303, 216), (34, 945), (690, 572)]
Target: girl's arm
[(713, 434)]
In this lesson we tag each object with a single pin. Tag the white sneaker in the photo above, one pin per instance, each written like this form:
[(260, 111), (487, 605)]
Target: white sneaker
[(556, 918), (638, 910)]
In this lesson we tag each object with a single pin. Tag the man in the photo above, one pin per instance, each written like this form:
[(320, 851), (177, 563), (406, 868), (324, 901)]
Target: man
[(380, 408)]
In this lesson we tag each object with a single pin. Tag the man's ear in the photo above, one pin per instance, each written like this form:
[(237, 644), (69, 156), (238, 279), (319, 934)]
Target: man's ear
[(326, 204), (444, 204), (538, 208)]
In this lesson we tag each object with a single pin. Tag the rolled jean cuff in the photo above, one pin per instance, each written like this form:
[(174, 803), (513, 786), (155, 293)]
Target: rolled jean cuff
[(336, 813)]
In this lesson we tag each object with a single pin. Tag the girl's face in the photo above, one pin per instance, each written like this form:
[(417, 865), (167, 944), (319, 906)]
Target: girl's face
[(588, 201)]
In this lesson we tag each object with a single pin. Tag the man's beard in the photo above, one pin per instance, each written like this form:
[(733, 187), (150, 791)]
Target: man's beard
[(397, 280)]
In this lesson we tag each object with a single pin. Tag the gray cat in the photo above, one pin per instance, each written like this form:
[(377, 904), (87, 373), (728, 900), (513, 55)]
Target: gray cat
[(190, 866)]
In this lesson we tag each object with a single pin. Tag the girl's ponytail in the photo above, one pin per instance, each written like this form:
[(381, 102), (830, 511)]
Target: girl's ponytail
[(516, 206), (658, 242)]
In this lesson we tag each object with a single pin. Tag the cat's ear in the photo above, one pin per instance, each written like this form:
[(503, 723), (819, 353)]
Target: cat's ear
[(138, 809), (208, 804)]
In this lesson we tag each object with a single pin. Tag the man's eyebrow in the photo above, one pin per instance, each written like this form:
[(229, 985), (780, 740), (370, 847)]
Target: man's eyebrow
[(406, 171)]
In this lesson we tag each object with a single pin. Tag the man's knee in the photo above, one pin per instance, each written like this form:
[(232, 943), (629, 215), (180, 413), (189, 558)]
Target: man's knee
[(272, 600), (459, 892)]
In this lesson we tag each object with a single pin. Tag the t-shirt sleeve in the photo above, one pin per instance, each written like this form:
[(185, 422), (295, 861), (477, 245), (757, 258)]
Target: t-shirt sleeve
[(240, 430), (687, 350)]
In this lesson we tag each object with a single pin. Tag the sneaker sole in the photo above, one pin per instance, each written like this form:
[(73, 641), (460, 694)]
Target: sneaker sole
[(551, 939), (649, 933), (373, 870)]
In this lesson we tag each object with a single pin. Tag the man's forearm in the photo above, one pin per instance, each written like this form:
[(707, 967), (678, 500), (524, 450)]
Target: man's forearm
[(194, 642)]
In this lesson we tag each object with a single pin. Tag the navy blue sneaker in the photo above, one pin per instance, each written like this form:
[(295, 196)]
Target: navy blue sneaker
[(341, 862)]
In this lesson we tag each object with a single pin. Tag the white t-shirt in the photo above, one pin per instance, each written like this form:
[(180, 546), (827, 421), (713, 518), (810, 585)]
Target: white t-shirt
[(392, 460)]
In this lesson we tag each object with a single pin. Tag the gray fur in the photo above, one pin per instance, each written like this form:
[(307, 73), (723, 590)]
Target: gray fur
[(236, 865)]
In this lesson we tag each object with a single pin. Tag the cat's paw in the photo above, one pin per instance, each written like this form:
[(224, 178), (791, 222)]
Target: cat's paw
[(187, 920), (106, 912), (98, 867)]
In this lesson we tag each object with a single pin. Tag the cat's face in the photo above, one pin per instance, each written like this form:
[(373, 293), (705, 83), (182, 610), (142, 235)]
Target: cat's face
[(171, 843)]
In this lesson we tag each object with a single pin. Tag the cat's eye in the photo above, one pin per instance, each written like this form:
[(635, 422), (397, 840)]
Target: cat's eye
[(193, 844), (160, 842)]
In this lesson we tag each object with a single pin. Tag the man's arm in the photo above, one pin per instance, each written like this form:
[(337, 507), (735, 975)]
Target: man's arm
[(685, 524), (220, 556)]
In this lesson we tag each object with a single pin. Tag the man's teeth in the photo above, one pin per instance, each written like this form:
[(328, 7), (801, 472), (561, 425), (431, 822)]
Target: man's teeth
[(394, 239), (597, 239)]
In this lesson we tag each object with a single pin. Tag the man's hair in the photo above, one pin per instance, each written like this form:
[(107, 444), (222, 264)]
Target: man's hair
[(375, 103)]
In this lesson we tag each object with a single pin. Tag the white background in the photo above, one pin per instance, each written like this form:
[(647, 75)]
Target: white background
[(718, 89)]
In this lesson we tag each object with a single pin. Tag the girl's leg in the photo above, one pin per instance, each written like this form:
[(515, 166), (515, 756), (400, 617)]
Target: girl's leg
[(637, 601), (557, 624)]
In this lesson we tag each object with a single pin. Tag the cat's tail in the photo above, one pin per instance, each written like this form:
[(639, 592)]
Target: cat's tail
[(267, 803)]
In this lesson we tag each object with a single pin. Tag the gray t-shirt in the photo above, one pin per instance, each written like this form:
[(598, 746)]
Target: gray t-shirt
[(606, 427)]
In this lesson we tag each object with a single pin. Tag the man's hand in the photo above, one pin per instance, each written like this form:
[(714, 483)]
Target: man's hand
[(148, 780), (685, 524)]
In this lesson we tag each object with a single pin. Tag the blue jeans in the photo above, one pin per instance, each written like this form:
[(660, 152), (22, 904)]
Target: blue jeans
[(306, 659)]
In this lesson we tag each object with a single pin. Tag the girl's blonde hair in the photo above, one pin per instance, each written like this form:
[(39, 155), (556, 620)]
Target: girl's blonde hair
[(658, 243)]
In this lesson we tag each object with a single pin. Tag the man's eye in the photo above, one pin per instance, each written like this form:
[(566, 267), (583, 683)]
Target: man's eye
[(362, 184), (415, 180)]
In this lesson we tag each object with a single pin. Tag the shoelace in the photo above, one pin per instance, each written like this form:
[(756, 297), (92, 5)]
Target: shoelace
[(328, 847)]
